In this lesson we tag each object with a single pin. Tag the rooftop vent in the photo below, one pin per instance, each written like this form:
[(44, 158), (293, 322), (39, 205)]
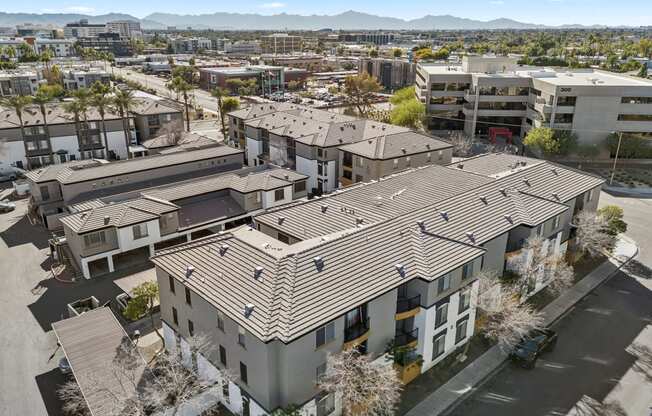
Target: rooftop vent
[(280, 220), (359, 221), (319, 262), (555, 195), (554, 171), (526, 181), (400, 268), (509, 218), (470, 236), (106, 220), (503, 191), (248, 310), (421, 224), (444, 215), (483, 199), (286, 176), (460, 166), (223, 249), (403, 150), (258, 271), (189, 270), (324, 208)]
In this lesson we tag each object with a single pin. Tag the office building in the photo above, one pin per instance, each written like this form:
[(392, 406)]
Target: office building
[(60, 48), (108, 42), (19, 82), (83, 29), (190, 45), (76, 78), (125, 28), (392, 74), (281, 43)]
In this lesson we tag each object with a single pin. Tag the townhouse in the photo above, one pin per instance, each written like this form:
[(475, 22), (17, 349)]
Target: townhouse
[(19, 82), (378, 266), (59, 189), (76, 78), (63, 139), (494, 92), (309, 140), (108, 234)]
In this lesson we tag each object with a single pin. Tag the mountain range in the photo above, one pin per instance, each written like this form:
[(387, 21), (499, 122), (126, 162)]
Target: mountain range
[(350, 20)]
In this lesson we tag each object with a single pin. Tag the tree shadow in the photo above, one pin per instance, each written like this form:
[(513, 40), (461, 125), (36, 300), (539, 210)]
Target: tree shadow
[(22, 232), (48, 384), (643, 364), (638, 269), (587, 406)]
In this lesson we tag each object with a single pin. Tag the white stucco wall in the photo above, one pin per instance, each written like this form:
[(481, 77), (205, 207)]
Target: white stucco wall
[(11, 152), (268, 198), (309, 168), (254, 148), (126, 240)]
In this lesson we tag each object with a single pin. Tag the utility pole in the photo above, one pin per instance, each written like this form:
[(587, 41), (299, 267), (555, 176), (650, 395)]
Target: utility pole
[(613, 170)]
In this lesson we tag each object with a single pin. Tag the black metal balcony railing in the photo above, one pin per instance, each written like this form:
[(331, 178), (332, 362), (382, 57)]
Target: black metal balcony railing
[(404, 338), (407, 304), (356, 330), (405, 358)]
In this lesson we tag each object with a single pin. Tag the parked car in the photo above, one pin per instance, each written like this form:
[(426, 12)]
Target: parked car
[(10, 173), (7, 206), (526, 352), (64, 366)]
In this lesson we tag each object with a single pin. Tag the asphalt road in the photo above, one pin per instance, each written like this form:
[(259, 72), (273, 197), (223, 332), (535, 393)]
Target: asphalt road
[(593, 356)]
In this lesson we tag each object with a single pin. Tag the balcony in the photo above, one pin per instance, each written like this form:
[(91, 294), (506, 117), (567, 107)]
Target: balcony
[(356, 333), (407, 307), (407, 339), (407, 364)]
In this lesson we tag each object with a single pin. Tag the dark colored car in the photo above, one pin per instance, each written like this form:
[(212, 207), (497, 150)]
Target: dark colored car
[(526, 352)]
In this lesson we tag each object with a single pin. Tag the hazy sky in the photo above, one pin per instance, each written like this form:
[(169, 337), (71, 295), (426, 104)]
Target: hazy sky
[(551, 12)]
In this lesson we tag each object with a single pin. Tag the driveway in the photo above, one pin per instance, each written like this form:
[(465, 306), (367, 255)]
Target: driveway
[(30, 300)]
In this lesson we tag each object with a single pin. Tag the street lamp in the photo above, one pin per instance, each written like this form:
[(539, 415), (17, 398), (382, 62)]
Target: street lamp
[(613, 170)]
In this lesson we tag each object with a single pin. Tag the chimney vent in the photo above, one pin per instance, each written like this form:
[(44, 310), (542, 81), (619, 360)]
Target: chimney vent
[(223, 249), (444, 215), (106, 220), (319, 262), (258, 271), (248, 310), (280, 220), (422, 225), (400, 268), (189, 270), (470, 236), (324, 208)]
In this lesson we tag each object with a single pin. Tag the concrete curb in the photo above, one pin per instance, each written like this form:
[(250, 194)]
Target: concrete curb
[(462, 390)]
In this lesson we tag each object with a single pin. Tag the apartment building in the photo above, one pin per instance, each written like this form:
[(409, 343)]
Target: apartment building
[(268, 78), (308, 140), (190, 45), (372, 159), (60, 48), (19, 82), (392, 262), (107, 42), (76, 78), (108, 235), (486, 92), (281, 43), (377, 38), (242, 47), (68, 187), (126, 28), (392, 74), (83, 29)]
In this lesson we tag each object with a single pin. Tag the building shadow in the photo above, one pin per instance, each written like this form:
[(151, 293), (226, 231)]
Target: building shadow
[(48, 384), (22, 232)]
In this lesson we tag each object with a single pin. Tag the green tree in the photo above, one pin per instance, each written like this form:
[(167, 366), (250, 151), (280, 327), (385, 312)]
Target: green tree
[(373, 53), (123, 101), (142, 303), (359, 91), (550, 143), (181, 87), (442, 53), (613, 214), (42, 98), (397, 53), (401, 95), (643, 71), (409, 113), (225, 105), (53, 90)]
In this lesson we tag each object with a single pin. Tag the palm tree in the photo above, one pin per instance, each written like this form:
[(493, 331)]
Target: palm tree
[(181, 87), (18, 103), (102, 103), (41, 99), (220, 93), (46, 57), (83, 96), (75, 108), (123, 101)]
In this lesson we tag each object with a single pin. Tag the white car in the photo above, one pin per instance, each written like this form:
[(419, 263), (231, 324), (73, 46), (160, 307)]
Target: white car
[(7, 206)]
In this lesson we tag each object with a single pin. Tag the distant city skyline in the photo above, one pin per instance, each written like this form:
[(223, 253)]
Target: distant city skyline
[(548, 12)]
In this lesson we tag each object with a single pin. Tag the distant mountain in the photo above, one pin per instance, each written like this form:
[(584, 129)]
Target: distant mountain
[(350, 20)]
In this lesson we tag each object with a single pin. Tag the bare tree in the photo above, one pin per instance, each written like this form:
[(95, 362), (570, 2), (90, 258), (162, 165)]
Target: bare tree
[(530, 264), (370, 388), (173, 130), (511, 322), (462, 144), (559, 274), (587, 406), (133, 388), (592, 235)]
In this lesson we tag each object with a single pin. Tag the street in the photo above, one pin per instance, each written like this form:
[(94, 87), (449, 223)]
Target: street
[(595, 353)]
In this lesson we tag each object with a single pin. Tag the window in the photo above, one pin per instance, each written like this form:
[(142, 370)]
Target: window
[(634, 117), (223, 356), (319, 372), (225, 390), (188, 298), (441, 315), (241, 336), (467, 270), (347, 159), (325, 404), (395, 163), (279, 194), (299, 186), (555, 222), (94, 239), (243, 372), (438, 345), (438, 86), (320, 152), (443, 283), (325, 334), (139, 231), (465, 300), (460, 330), (220, 321), (191, 328), (563, 118), (175, 317), (358, 178), (636, 100), (428, 157), (566, 101), (408, 161), (45, 193), (171, 281)]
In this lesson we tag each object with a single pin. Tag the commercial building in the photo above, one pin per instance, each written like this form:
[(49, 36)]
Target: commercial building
[(392, 74), (190, 45), (108, 42), (392, 262), (83, 29), (125, 28), (38, 31), (268, 78), (309, 141), (377, 38), (60, 48), (242, 47), (281, 43), (306, 61), (19, 82), (486, 92)]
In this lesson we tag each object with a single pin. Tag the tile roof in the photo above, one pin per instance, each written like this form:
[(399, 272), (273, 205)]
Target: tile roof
[(293, 296), (495, 164), (390, 146), (188, 139), (72, 175), (91, 341), (50, 172)]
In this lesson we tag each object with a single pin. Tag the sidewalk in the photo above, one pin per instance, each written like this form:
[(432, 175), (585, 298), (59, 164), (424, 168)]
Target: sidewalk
[(464, 383)]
